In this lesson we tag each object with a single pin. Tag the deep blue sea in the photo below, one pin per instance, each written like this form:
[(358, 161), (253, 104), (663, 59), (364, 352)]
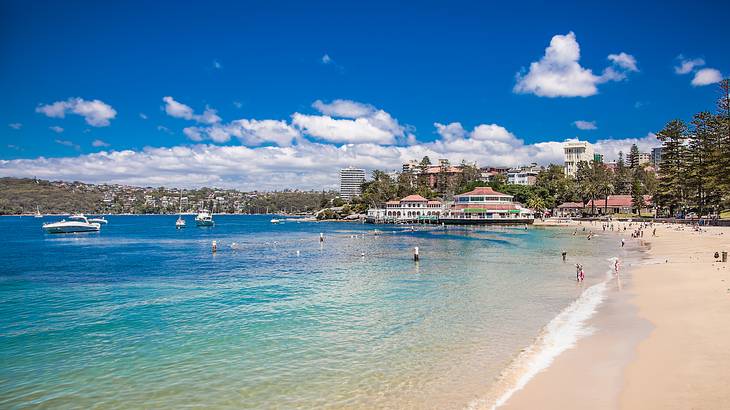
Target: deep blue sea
[(141, 315)]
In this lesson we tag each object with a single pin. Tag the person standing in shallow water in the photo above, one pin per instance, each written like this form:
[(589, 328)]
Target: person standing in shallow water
[(564, 254)]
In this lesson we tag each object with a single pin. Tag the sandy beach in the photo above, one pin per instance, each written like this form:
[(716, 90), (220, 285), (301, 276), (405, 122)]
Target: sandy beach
[(660, 339)]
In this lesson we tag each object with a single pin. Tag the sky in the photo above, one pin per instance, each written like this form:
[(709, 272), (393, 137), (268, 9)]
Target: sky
[(273, 95)]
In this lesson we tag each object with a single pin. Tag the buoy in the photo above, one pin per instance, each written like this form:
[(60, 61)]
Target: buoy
[(362, 254), (321, 237), (415, 254), (297, 253), (215, 246)]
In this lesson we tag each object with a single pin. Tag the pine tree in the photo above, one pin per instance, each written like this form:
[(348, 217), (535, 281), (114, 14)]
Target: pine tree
[(672, 168), (620, 179)]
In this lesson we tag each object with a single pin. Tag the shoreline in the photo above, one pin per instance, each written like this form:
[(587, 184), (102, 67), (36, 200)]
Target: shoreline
[(659, 338)]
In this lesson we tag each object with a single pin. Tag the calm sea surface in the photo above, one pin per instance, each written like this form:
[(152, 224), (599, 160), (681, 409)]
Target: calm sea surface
[(141, 315)]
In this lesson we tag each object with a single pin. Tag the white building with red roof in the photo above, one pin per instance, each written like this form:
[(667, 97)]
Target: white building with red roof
[(413, 208), (484, 205)]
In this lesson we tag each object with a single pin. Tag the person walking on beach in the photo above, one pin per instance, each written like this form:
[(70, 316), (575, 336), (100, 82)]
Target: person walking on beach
[(578, 270), (622, 242), (615, 265), (564, 255), (653, 232)]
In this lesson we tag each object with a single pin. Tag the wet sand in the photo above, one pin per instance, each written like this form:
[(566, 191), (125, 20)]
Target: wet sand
[(661, 339)]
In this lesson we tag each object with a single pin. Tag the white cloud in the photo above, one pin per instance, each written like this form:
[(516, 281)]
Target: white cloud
[(706, 76), (179, 110), (450, 132), (326, 59), (162, 128), (250, 132), (68, 143), (99, 143), (360, 123), (96, 112), (306, 165), (585, 125), (344, 108), (15, 125), (625, 61), (56, 129), (237, 104), (143, 116), (611, 147), (217, 65), (559, 74), (687, 65)]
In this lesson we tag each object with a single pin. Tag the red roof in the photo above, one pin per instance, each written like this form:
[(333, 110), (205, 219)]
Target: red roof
[(414, 198), (493, 207), (483, 190), (618, 201)]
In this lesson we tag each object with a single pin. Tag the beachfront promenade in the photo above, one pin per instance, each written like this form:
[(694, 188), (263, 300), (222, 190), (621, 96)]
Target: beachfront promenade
[(660, 342)]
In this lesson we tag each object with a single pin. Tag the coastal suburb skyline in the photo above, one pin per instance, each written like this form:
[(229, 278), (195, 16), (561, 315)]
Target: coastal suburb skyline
[(281, 95)]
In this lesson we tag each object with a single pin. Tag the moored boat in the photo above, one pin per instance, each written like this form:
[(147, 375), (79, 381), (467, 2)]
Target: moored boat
[(204, 218), (74, 224), (180, 223), (100, 220)]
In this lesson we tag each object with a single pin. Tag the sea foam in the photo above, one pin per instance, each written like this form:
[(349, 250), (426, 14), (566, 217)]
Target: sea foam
[(559, 335)]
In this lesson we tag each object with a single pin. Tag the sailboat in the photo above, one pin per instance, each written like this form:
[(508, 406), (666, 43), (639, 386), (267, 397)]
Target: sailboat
[(38, 213), (180, 223)]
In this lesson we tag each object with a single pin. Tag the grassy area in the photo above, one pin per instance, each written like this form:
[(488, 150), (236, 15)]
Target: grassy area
[(725, 214)]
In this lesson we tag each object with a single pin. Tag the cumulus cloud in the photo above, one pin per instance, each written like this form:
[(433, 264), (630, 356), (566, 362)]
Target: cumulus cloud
[(344, 108), (179, 110), (248, 131), (687, 65), (326, 59), (559, 73), (706, 76), (99, 143), (96, 112), (625, 61), (15, 125), (56, 129), (585, 125), (358, 123), (305, 165), (143, 116), (217, 65)]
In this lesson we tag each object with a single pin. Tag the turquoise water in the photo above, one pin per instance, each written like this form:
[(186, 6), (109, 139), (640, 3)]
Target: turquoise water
[(144, 315)]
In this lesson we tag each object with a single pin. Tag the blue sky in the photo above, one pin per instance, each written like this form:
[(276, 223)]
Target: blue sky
[(384, 74)]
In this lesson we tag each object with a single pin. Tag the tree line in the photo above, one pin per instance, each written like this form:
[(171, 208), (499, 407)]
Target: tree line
[(694, 172)]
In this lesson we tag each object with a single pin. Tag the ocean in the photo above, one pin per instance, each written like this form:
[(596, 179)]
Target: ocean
[(141, 315)]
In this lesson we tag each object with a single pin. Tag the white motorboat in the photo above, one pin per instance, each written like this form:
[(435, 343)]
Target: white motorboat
[(204, 218), (100, 220), (276, 221), (75, 223)]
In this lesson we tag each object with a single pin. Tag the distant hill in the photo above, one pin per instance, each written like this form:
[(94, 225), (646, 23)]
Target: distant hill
[(23, 195)]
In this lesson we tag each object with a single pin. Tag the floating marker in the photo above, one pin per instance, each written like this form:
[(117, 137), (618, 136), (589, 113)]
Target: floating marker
[(415, 254), (215, 246)]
